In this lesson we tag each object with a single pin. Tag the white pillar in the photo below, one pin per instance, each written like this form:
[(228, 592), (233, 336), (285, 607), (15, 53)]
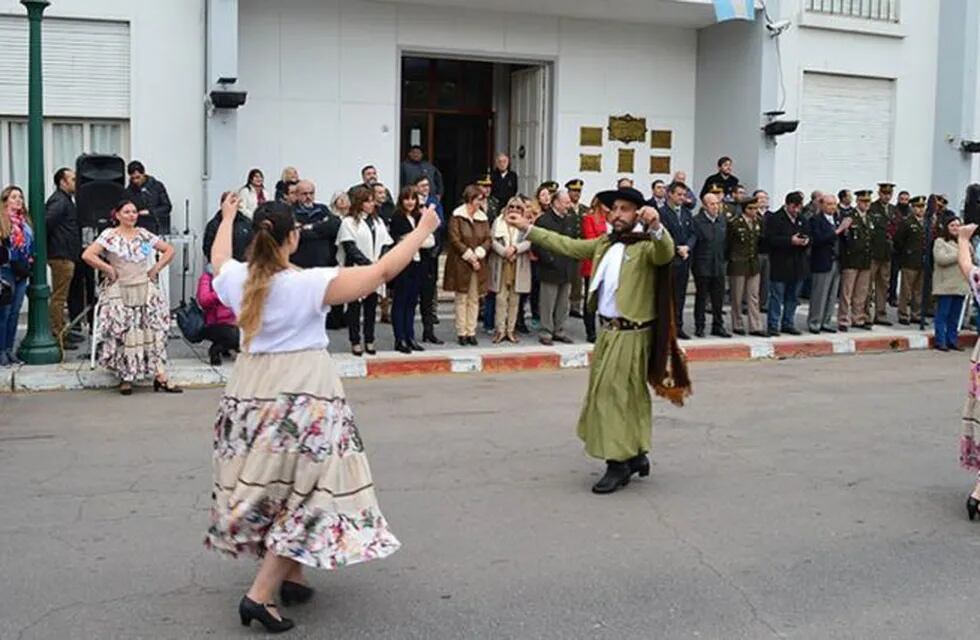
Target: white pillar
[(957, 97), (221, 129)]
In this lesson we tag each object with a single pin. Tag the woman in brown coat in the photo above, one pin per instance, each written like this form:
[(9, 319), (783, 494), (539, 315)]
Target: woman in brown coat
[(466, 262)]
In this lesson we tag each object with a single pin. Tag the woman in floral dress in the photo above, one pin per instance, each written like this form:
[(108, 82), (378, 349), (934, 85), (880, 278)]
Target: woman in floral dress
[(969, 442), (134, 318), (292, 483)]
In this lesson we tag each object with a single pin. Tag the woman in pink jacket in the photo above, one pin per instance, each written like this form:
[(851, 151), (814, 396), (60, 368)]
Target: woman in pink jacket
[(220, 325)]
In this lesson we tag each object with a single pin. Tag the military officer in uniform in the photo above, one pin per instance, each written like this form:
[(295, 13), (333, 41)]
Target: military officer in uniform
[(856, 261), (910, 242), (492, 206), (883, 216), (742, 249), (577, 212)]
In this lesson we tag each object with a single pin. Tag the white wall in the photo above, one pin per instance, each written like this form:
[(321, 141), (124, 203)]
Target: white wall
[(729, 101), (322, 77), (907, 53), (166, 101)]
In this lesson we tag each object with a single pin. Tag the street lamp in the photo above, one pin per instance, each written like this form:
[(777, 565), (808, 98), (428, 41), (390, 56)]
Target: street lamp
[(39, 346)]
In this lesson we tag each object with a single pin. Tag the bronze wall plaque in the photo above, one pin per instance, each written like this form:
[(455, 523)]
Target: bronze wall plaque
[(627, 128), (660, 139), (590, 136), (626, 161), (660, 164), (590, 162)]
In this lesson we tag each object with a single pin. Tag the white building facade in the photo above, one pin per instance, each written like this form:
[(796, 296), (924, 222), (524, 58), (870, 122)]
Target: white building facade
[(884, 90)]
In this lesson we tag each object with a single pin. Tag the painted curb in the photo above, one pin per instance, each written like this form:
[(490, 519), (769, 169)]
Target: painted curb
[(491, 360)]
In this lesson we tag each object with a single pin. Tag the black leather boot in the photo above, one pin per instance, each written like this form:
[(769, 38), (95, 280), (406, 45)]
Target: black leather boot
[(640, 465), (617, 475)]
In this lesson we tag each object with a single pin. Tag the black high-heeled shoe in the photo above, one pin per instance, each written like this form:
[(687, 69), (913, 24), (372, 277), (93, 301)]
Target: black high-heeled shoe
[(249, 610), (166, 387), (294, 593), (972, 508)]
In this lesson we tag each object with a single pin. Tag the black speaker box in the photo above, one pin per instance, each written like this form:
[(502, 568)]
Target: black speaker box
[(100, 183)]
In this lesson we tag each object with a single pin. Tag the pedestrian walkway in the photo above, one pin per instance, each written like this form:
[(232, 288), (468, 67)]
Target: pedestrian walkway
[(188, 370)]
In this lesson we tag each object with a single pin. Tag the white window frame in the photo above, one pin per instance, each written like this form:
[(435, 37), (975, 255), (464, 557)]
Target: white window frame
[(48, 137)]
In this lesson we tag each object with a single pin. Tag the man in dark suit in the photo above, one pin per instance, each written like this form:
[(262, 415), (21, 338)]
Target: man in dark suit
[(824, 230), (710, 229), (724, 177), (557, 272), (786, 237), (679, 221)]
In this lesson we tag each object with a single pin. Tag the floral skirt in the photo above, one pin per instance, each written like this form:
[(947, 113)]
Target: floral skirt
[(290, 472), (969, 442), (134, 321)]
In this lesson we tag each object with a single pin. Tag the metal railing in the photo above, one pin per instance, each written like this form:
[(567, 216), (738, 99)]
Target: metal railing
[(882, 10)]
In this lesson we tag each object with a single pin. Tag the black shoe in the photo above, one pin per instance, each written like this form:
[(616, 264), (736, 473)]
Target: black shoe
[(369, 349), (681, 335), (166, 387), (294, 593), (842, 328), (815, 331), (431, 339), (402, 347), (828, 329), (884, 323), (793, 331), (866, 326), (590, 339), (617, 475), (415, 346), (640, 465), (759, 334), (575, 313), (972, 507), (462, 341), (249, 610), (721, 333), (740, 332), (215, 358), (699, 333), (472, 341), (772, 333)]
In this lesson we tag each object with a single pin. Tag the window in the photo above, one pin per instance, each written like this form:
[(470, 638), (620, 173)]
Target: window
[(883, 10), (64, 141)]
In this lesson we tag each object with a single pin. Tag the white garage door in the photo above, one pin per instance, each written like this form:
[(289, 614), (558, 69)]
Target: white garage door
[(85, 67), (845, 132)]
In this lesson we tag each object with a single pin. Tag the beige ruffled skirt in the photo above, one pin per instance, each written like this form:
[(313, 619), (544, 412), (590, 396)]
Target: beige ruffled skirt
[(290, 472)]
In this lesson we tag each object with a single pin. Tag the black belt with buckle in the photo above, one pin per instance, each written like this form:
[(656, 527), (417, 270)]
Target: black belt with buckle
[(622, 324)]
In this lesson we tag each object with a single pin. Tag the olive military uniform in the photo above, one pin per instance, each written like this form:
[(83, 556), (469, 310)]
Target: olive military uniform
[(742, 249), (856, 265), (910, 242), (883, 217)]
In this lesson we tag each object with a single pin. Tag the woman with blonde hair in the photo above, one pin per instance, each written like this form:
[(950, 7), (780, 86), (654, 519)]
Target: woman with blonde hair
[(292, 484), (465, 274), (289, 176), (510, 272), (134, 318), (17, 238)]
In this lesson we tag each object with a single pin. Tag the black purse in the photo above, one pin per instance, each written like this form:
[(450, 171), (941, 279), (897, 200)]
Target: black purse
[(6, 293), (21, 269), (190, 320)]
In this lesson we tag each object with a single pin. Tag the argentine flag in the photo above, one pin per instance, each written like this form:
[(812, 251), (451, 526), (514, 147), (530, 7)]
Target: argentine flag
[(734, 10)]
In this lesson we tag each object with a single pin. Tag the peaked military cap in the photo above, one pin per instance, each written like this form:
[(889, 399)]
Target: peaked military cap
[(484, 181), (574, 185), (863, 194), (918, 201), (716, 188), (550, 185), (887, 186), (941, 198)]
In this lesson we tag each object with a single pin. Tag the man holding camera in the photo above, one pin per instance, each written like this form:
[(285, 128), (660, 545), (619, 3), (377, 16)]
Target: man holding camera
[(787, 240)]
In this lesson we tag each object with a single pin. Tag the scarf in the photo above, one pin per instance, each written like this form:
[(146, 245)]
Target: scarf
[(667, 373), (21, 239)]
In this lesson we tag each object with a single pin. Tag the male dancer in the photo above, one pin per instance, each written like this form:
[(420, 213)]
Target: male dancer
[(630, 289)]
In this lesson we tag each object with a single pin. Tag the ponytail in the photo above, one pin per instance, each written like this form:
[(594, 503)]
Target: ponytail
[(272, 224)]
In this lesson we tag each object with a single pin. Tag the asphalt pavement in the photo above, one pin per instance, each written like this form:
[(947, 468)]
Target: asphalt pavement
[(797, 499)]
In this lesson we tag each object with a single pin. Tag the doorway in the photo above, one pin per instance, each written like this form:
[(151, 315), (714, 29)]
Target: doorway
[(463, 112)]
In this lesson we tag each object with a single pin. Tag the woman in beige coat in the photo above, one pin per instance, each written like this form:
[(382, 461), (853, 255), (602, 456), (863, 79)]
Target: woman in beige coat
[(510, 271), (948, 286)]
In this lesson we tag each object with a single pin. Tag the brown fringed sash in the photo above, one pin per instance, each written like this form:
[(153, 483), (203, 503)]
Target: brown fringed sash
[(668, 374)]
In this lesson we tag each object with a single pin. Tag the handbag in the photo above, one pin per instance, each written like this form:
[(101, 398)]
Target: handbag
[(190, 320)]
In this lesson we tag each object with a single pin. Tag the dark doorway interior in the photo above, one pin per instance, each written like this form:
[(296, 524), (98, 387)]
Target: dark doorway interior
[(447, 108)]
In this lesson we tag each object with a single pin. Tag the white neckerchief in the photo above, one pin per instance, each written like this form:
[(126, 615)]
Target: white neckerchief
[(605, 280)]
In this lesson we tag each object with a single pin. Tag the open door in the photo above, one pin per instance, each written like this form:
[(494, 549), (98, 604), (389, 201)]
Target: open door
[(529, 126)]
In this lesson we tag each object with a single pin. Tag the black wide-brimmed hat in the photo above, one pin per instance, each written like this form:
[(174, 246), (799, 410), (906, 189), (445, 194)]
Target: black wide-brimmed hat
[(626, 193)]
